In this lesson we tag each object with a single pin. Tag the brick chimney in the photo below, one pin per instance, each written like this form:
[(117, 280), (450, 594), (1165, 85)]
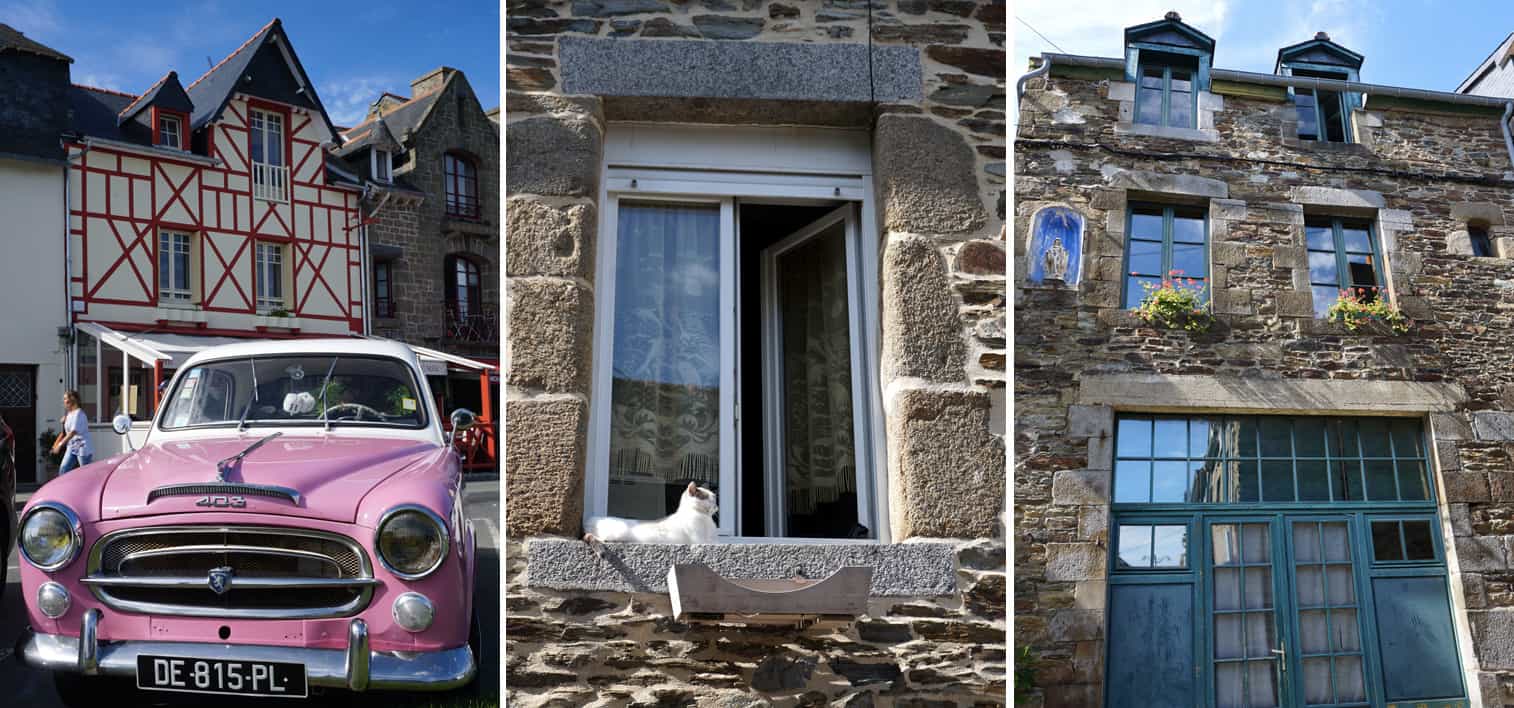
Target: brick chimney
[(432, 80)]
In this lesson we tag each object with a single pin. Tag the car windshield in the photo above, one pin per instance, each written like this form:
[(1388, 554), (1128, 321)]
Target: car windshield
[(296, 390)]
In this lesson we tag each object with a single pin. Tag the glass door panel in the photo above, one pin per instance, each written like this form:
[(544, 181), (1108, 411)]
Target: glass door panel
[(1244, 615), (1329, 629)]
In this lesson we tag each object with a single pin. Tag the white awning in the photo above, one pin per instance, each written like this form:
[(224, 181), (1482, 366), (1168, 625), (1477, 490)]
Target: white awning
[(174, 349)]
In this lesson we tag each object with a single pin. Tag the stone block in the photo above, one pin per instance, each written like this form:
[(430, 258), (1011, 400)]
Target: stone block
[(1288, 257), (1072, 562), (1228, 253), (1463, 487), (1077, 487), (947, 470), (1233, 301), (544, 455), (1447, 456), (524, 102), (1090, 594), (1076, 625), (1461, 519), (553, 155), (1227, 209), (1295, 304), (1416, 307), (926, 183), (1396, 219), (1143, 391), (1121, 91), (1093, 523), (1493, 425), (1480, 553), (1449, 426), (1486, 212), (1474, 590), (551, 335), (1181, 184), (1101, 453), (1333, 197), (921, 334), (1278, 213), (1089, 421), (1493, 636), (547, 239)]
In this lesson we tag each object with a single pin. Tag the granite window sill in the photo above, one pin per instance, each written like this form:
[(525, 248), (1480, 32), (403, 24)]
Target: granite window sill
[(1198, 135), (899, 570)]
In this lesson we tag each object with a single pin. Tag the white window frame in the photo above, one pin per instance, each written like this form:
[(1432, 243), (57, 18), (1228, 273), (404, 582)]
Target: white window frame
[(165, 121), (270, 182), (266, 304), (381, 164), (628, 174), (167, 294)]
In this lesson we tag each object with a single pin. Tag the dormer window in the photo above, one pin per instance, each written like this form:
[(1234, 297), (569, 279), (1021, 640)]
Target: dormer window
[(383, 165), (1322, 113), (1165, 94), (171, 132)]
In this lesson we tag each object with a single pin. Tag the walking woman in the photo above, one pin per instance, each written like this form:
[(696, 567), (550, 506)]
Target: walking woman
[(75, 435)]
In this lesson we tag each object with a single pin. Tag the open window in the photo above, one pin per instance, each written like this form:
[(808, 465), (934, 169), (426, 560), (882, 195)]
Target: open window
[(270, 171), (735, 347), (1343, 258)]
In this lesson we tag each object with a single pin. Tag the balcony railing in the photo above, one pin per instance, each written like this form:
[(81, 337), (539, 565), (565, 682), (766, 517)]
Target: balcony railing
[(470, 327), (462, 206), (270, 182)]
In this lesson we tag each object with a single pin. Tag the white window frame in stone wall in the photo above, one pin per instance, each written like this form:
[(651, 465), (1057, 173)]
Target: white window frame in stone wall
[(724, 165), (381, 164)]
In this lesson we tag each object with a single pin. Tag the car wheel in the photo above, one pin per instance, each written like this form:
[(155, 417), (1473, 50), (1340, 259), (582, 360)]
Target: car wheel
[(78, 691)]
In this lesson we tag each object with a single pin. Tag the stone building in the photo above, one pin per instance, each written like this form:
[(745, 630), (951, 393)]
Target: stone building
[(1259, 504), (433, 236), (757, 246)]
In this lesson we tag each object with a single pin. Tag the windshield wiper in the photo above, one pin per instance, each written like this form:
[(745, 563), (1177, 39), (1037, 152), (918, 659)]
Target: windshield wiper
[(242, 422), (326, 386), (226, 464)]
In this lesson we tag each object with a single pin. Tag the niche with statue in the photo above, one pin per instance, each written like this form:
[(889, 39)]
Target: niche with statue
[(1055, 253)]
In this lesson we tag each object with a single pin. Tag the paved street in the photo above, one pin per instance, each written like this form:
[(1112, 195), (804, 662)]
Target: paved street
[(21, 686)]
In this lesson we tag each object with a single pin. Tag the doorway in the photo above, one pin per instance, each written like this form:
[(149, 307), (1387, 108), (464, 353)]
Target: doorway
[(18, 406)]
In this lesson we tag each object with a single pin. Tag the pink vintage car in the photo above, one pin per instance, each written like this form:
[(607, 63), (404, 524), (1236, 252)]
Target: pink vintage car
[(292, 523)]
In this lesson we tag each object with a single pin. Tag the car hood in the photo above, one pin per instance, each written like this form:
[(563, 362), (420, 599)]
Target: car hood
[(330, 474)]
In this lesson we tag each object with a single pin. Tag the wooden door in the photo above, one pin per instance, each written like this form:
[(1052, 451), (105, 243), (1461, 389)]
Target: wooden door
[(18, 405)]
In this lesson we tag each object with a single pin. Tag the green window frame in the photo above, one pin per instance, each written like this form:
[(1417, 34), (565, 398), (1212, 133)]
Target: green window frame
[(1323, 115), (1167, 91), (1303, 625), (1161, 239), (1343, 255)]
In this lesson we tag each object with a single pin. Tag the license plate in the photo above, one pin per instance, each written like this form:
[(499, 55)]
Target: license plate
[(242, 678)]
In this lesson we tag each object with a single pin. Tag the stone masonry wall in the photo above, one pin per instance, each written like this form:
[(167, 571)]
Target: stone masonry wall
[(939, 175), (1420, 173), (427, 234)]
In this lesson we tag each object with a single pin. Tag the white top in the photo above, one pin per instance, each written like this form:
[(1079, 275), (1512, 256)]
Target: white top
[(78, 424)]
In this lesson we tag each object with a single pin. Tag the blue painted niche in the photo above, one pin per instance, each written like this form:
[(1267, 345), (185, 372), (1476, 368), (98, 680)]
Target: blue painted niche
[(1056, 246)]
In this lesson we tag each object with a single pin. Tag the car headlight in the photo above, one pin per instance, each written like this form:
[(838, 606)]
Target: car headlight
[(411, 541), (51, 536)]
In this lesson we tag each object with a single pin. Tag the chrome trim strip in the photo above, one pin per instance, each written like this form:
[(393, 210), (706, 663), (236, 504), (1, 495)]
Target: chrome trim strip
[(249, 550), (443, 670), (194, 489), (199, 582), (441, 528), (73, 522), (358, 656), (100, 584), (89, 644)]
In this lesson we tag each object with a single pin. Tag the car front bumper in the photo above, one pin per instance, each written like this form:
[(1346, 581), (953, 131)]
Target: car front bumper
[(356, 668)]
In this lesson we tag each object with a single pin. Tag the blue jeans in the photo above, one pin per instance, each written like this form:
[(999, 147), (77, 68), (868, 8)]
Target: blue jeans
[(72, 461)]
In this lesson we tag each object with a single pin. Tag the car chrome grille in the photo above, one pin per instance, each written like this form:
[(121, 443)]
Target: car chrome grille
[(268, 572)]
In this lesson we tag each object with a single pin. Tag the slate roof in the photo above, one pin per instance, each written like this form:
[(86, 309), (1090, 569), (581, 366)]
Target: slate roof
[(210, 92), (166, 93), (13, 40), (97, 111), (400, 121)]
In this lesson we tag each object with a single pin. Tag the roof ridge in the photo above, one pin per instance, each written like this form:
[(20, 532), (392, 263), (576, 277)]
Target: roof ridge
[(235, 52), (413, 99), (106, 90), (144, 94)]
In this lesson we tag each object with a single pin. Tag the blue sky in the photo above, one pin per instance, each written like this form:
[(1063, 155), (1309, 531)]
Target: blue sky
[(1412, 43), (353, 51)]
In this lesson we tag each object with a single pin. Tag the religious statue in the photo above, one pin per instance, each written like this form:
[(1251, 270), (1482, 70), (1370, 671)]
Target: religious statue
[(1056, 261)]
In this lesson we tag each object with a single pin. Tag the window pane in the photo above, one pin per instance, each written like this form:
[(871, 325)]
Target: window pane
[(1146, 223), (1310, 580), (1481, 244), (1171, 437), (1256, 544), (1227, 588), (1180, 108), (1308, 122), (1357, 239), (1350, 685), (1229, 637), (1406, 437), (1277, 437), (1277, 481), (1322, 268), (1149, 103), (1314, 631), (665, 390), (1350, 481), (1363, 270), (1246, 481), (1380, 484), (1188, 225), (1309, 437), (1319, 237), (1411, 481), (1336, 542), (1189, 261), (1313, 480), (1202, 434), (1135, 547), (1345, 634), (1136, 288), (1374, 437), (1225, 544), (1134, 436), (1331, 116), (1258, 590), (1170, 547), (1145, 258), (1306, 548), (1324, 297), (1170, 482), (1419, 544), (1317, 681), (1386, 545), (1245, 436), (1339, 588), (1132, 481), (1261, 677)]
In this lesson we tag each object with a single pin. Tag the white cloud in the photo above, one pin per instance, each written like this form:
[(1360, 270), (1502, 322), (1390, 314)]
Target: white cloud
[(38, 19), (347, 100), (1096, 28)]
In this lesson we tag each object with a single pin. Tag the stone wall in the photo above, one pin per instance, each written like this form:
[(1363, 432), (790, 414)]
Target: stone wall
[(1418, 171), (931, 90), (422, 228)]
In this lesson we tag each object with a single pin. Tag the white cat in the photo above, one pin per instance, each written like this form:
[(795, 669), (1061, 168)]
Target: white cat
[(692, 523)]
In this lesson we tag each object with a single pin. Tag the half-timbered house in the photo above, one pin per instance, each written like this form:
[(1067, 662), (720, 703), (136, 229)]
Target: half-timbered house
[(205, 211)]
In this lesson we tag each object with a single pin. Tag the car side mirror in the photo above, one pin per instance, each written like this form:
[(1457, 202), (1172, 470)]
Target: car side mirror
[(121, 424), (462, 419)]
